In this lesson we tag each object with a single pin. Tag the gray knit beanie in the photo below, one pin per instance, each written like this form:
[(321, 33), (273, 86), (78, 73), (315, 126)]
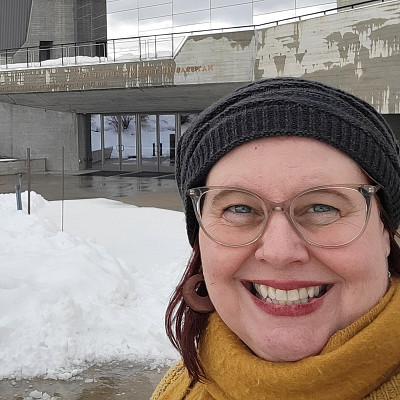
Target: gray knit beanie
[(290, 107)]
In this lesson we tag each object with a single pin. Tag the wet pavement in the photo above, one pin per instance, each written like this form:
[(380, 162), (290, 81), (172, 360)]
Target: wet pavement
[(116, 380), (160, 192), (119, 380)]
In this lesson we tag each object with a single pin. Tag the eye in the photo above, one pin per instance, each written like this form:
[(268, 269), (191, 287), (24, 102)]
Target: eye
[(320, 208), (240, 209)]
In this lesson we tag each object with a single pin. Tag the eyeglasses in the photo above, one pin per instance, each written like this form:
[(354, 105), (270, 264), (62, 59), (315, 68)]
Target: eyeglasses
[(324, 216)]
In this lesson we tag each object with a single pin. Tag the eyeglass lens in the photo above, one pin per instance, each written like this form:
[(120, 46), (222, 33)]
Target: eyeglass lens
[(324, 216)]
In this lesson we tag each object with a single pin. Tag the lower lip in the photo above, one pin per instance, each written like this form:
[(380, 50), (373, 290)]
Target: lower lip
[(294, 310)]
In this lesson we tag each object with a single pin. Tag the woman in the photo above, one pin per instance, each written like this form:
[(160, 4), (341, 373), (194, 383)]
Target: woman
[(292, 291)]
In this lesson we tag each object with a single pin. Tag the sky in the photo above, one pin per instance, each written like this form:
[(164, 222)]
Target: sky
[(127, 18)]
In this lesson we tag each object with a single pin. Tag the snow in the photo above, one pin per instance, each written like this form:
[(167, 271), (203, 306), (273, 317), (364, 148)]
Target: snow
[(93, 293)]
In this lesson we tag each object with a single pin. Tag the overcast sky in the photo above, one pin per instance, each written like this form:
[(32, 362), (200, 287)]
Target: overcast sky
[(128, 18)]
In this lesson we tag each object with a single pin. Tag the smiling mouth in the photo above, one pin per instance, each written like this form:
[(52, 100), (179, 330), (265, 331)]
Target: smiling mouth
[(301, 295)]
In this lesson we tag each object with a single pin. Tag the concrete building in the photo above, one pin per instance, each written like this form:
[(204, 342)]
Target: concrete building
[(49, 107), (43, 25)]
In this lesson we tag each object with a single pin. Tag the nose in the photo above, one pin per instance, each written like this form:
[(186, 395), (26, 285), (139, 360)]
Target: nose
[(280, 245)]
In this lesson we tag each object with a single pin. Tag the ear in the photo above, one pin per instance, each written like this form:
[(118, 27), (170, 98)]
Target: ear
[(385, 238)]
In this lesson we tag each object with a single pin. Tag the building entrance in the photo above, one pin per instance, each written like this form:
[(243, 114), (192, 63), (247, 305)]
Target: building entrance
[(158, 138), (136, 142)]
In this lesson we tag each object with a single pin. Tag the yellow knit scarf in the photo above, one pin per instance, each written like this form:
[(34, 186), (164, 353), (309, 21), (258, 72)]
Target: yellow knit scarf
[(359, 362)]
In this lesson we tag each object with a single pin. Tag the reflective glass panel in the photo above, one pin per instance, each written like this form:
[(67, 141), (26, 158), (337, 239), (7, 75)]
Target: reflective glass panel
[(193, 18), (149, 141), (167, 140), (147, 3), (122, 24), (223, 3), (183, 6), (95, 133), (128, 141), (111, 136), (155, 25), (155, 11), (232, 16), (308, 3), (270, 6)]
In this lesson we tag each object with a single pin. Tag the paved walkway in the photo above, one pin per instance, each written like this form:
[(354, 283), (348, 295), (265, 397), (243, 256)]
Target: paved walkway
[(158, 192)]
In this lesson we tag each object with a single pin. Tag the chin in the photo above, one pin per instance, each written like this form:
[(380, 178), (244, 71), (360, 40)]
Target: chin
[(291, 350), (287, 356)]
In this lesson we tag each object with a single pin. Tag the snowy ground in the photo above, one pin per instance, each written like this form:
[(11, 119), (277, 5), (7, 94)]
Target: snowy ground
[(93, 293)]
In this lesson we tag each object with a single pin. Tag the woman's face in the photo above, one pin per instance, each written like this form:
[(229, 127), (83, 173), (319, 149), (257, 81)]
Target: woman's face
[(356, 275)]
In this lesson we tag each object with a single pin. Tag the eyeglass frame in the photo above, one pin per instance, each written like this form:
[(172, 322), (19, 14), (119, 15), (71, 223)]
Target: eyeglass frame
[(367, 191)]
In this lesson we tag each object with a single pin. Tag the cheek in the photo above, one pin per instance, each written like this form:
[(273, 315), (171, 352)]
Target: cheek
[(359, 263), (219, 263), (364, 260)]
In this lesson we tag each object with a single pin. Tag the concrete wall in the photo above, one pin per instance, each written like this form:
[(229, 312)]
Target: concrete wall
[(51, 20), (356, 50), (216, 58), (44, 132), (65, 21), (13, 167)]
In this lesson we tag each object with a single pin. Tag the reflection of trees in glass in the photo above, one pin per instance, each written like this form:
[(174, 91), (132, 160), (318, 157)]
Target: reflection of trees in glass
[(95, 122), (186, 120), (125, 121)]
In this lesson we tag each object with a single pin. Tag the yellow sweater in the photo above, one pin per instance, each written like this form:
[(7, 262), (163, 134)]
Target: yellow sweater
[(359, 362)]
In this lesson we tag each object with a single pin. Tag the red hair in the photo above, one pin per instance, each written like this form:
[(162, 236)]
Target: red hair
[(183, 325)]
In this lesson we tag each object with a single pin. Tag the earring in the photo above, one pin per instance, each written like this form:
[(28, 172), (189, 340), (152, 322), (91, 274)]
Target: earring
[(389, 274), (193, 299)]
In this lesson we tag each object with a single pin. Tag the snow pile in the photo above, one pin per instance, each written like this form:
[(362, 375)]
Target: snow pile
[(95, 293), (35, 394)]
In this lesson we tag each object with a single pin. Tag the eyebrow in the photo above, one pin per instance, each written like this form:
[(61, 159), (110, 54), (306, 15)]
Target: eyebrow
[(226, 192), (223, 193), (335, 191)]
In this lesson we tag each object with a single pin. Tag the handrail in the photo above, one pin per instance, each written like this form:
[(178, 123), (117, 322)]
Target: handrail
[(146, 46)]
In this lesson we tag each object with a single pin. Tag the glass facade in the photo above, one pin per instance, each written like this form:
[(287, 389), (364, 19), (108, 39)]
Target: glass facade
[(132, 18)]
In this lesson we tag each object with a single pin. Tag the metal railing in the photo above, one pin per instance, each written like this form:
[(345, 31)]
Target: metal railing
[(140, 48)]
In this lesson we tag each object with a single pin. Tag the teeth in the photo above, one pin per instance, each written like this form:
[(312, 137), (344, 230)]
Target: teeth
[(281, 295), (303, 293), (263, 291), (293, 295), (286, 297)]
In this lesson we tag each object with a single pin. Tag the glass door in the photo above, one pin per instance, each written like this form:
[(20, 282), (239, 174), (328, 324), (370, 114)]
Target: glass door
[(158, 142), (117, 142), (167, 138), (127, 143), (149, 150)]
